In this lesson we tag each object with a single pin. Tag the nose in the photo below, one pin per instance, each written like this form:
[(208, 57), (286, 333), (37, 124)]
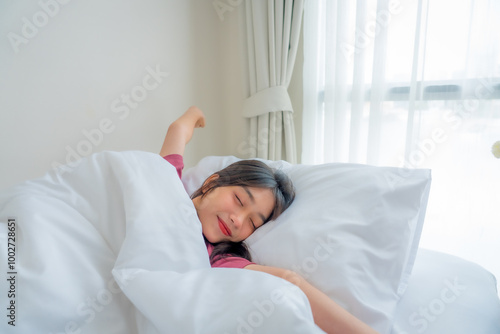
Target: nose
[(237, 217)]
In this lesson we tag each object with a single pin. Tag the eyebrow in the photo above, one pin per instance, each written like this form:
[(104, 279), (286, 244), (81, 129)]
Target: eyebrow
[(252, 199)]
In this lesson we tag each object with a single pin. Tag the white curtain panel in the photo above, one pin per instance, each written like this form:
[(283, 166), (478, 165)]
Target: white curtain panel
[(273, 31), (415, 84)]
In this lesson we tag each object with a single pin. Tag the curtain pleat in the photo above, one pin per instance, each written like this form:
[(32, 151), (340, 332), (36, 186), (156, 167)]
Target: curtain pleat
[(416, 76), (311, 131), (378, 89), (358, 88), (273, 31)]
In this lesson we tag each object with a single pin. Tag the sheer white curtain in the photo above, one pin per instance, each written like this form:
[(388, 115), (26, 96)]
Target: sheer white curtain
[(273, 31), (415, 84)]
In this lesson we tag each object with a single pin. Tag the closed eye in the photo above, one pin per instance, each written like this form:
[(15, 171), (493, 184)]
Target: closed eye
[(241, 204), (238, 199), (253, 225)]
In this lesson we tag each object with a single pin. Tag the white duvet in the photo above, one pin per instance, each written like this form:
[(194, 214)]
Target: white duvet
[(114, 245)]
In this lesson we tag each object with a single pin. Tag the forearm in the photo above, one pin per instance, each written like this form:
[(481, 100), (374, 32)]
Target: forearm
[(179, 133), (328, 315)]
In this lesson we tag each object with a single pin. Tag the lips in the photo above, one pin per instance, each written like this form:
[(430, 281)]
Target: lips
[(223, 227)]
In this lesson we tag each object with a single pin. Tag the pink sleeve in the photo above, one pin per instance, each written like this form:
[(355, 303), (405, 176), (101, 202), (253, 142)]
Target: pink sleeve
[(228, 262), (231, 262), (177, 161)]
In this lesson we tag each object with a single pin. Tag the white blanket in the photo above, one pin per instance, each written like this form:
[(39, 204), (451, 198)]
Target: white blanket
[(114, 245)]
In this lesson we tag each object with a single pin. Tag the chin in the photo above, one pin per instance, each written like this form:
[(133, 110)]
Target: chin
[(212, 239)]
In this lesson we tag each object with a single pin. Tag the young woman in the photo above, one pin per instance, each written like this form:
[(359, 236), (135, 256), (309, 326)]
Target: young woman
[(233, 203)]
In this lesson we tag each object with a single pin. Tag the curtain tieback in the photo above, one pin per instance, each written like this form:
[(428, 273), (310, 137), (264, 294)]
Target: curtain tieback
[(267, 100)]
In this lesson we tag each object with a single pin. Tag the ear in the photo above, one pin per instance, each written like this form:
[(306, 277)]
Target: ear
[(211, 178)]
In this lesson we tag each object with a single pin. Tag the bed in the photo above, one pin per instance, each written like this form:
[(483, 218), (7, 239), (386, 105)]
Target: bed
[(111, 244)]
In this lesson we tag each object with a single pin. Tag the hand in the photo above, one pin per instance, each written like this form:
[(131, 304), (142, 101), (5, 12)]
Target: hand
[(195, 114)]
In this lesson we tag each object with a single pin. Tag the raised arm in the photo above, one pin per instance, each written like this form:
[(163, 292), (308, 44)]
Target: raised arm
[(179, 133), (328, 315)]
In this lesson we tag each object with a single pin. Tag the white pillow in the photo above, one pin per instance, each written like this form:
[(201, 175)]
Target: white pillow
[(353, 231)]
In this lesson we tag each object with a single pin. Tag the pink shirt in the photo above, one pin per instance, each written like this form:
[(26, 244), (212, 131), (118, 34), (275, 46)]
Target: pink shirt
[(229, 262)]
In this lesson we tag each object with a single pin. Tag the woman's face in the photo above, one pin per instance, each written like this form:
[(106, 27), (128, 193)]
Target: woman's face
[(232, 213)]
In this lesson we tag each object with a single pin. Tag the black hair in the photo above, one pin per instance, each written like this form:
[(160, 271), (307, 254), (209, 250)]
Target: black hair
[(249, 173)]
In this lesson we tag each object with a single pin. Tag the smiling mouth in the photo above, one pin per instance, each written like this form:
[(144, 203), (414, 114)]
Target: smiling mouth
[(223, 227)]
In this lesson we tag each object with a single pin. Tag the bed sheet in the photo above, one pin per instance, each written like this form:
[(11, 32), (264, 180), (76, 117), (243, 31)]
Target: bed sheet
[(113, 245), (447, 294)]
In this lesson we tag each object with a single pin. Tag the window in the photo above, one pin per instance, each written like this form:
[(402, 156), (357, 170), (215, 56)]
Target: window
[(415, 84)]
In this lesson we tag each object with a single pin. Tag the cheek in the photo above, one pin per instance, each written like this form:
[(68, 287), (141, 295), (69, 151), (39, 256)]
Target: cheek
[(206, 203), (213, 204), (204, 211), (217, 197), (223, 201), (246, 233)]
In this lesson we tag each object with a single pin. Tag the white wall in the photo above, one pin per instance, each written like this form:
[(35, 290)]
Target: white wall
[(67, 68), (220, 76), (232, 72)]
